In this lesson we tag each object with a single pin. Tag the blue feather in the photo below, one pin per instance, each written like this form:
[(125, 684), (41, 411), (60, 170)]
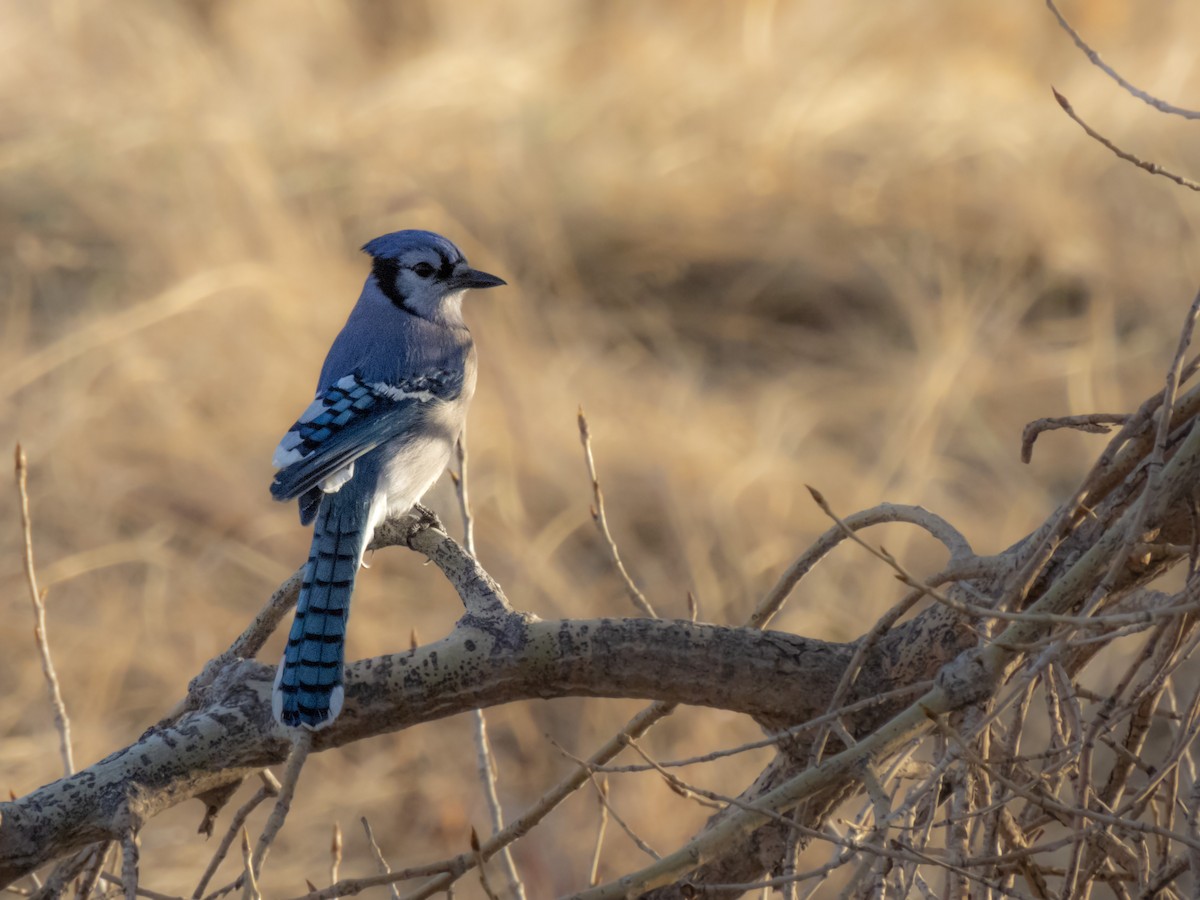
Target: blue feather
[(308, 686), (352, 418), (391, 400), (396, 244)]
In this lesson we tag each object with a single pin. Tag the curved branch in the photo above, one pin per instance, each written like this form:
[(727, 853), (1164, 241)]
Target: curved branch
[(229, 732), (884, 513)]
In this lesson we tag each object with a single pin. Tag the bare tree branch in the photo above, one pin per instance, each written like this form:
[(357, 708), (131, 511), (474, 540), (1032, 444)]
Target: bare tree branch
[(601, 519), (36, 596), (1094, 58), (227, 732), (1151, 167)]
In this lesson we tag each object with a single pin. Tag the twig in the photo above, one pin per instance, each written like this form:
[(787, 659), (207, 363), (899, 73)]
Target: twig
[(461, 489), (1093, 423), (920, 587), (270, 788), (61, 721), (816, 722), (598, 516), (250, 641), (1193, 828), (335, 853), (961, 555), (480, 865), (485, 765), (602, 801), (487, 776), (91, 875), (129, 863), (141, 891), (348, 887), (1152, 168), (63, 873), (602, 793), (301, 745), (250, 891), (678, 785), (384, 868), (1163, 434), (1094, 57)]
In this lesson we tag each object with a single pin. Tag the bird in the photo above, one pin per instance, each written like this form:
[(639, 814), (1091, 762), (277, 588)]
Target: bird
[(391, 402)]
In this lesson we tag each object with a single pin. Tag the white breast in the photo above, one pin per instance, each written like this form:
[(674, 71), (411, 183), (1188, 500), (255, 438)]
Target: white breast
[(412, 469)]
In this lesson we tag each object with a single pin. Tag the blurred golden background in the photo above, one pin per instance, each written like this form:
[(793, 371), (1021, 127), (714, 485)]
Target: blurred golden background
[(764, 244)]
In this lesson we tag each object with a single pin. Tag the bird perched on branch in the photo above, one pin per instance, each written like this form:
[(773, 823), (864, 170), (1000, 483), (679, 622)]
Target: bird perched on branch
[(391, 402)]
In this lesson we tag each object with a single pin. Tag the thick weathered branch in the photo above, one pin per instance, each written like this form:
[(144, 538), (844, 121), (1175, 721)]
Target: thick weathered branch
[(493, 656)]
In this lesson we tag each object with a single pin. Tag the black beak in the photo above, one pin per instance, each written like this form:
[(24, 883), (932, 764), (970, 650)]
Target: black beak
[(464, 278)]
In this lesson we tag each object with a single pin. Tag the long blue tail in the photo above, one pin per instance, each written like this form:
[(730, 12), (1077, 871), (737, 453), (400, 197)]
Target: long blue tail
[(308, 687)]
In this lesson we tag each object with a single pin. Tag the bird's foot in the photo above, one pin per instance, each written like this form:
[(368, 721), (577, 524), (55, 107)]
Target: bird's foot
[(420, 518)]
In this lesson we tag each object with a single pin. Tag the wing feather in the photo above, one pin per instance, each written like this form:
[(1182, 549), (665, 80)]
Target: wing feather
[(348, 419)]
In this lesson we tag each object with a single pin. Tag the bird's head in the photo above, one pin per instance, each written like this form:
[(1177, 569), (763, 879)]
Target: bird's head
[(424, 274)]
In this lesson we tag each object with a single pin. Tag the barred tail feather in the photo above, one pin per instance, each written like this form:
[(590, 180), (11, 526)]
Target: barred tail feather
[(308, 689)]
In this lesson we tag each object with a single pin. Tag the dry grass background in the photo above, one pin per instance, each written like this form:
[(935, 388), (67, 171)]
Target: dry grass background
[(763, 243)]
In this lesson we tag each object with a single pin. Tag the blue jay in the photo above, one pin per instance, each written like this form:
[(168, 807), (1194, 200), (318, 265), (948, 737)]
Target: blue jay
[(391, 402)]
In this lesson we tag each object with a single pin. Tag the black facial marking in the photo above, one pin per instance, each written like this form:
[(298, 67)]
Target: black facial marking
[(447, 268), (386, 272)]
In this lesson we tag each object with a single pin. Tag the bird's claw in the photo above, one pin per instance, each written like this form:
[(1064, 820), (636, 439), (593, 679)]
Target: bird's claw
[(421, 519)]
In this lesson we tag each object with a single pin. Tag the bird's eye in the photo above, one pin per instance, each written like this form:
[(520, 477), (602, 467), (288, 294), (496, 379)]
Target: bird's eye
[(424, 269)]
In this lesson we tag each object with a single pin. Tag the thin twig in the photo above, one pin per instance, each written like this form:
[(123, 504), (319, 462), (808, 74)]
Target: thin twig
[(301, 745), (602, 793), (141, 891), (1152, 168), (962, 559), (270, 788), (481, 866), (462, 490), (335, 853), (487, 777), (1193, 830), (91, 875), (129, 863), (790, 732), (63, 873), (677, 784), (1094, 57), (598, 516), (483, 751), (249, 642), (61, 721), (602, 802), (382, 862), (347, 887), (250, 892)]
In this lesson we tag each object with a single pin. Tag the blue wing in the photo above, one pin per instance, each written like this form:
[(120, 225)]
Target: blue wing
[(350, 418)]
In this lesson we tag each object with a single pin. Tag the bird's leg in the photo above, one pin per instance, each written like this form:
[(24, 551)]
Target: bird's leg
[(422, 518)]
